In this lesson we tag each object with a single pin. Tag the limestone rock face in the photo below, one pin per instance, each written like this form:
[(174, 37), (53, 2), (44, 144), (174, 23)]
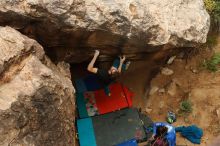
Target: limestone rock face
[(36, 97), (71, 29)]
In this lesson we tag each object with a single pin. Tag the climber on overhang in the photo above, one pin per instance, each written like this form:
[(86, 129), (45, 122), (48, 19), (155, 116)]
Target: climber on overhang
[(108, 76)]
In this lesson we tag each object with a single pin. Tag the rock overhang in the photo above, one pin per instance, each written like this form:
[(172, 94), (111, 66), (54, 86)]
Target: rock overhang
[(71, 30)]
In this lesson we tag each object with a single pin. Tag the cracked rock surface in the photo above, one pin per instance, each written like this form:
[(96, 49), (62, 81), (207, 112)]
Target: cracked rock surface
[(36, 96)]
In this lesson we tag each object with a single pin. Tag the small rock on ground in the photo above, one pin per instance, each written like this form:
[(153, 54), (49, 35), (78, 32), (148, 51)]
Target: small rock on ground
[(170, 61), (166, 71), (153, 90)]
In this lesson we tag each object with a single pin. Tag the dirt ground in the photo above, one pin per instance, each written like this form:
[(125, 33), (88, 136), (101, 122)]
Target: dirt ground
[(189, 81)]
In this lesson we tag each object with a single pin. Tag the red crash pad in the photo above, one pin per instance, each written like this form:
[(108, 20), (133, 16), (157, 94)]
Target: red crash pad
[(120, 98)]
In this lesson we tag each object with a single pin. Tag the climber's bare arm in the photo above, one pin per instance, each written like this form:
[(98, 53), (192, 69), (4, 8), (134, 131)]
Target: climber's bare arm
[(122, 59), (91, 67)]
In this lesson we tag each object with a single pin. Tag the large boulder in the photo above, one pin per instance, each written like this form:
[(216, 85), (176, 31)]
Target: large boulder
[(70, 29), (36, 97)]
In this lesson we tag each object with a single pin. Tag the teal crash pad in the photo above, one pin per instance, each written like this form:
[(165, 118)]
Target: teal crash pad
[(86, 132), (80, 101)]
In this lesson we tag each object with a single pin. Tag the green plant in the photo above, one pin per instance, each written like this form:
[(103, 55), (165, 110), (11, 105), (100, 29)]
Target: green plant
[(213, 8), (210, 5), (211, 41), (213, 63), (217, 8), (186, 106)]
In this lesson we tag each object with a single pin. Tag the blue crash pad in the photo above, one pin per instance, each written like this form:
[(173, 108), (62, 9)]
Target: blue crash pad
[(92, 83), (132, 142), (88, 83), (80, 85)]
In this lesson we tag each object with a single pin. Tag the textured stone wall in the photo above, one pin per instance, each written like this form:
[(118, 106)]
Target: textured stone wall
[(36, 97)]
